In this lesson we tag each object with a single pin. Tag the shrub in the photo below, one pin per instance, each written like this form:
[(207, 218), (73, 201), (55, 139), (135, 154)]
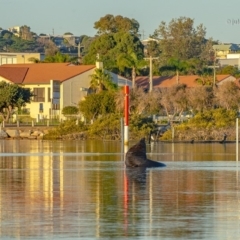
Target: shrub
[(141, 126), (70, 110), (67, 127), (106, 127), (204, 125)]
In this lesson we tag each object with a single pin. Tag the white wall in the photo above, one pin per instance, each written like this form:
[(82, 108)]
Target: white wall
[(233, 55), (75, 89), (121, 81)]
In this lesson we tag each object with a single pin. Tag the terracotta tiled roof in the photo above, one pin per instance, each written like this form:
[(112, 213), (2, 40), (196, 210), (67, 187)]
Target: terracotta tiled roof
[(44, 72), (164, 81), (16, 76)]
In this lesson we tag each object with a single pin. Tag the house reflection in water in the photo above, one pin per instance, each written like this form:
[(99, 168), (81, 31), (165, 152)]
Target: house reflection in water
[(63, 189)]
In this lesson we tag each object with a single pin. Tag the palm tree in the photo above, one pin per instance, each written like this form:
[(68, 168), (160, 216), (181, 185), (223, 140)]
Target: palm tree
[(175, 65), (102, 80), (205, 77), (131, 60)]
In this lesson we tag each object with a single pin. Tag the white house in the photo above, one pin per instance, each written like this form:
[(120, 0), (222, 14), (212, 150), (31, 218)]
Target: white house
[(55, 85)]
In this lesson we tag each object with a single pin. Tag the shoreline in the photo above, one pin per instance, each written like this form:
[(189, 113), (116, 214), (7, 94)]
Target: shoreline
[(38, 133), (23, 132)]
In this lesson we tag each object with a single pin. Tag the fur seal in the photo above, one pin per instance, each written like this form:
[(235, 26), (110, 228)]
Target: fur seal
[(136, 157)]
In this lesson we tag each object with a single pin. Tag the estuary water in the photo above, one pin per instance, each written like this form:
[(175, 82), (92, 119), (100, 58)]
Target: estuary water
[(81, 190)]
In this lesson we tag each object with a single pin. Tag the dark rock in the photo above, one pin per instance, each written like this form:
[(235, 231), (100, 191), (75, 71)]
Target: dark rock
[(3, 134)]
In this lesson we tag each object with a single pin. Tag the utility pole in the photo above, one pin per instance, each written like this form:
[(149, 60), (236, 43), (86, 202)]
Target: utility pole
[(79, 52), (150, 72), (214, 65)]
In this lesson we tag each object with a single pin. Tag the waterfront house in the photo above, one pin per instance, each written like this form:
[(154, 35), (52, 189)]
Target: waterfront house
[(55, 85)]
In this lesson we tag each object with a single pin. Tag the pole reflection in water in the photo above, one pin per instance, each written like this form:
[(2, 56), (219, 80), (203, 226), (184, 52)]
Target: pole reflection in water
[(72, 190)]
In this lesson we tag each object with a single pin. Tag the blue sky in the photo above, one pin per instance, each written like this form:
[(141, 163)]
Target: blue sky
[(221, 18)]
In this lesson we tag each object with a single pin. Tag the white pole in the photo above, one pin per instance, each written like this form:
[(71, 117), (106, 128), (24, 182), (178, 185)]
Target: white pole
[(150, 73), (126, 114), (122, 138), (126, 135), (237, 139), (173, 133)]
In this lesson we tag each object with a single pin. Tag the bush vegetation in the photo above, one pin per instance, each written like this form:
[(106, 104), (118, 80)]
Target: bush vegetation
[(207, 125)]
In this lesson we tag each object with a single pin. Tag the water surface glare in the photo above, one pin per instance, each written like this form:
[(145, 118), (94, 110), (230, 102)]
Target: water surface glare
[(82, 190)]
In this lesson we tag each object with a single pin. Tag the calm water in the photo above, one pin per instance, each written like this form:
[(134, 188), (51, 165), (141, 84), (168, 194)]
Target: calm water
[(81, 190)]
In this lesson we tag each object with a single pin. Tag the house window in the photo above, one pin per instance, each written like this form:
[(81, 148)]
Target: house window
[(39, 95), (55, 106), (41, 107)]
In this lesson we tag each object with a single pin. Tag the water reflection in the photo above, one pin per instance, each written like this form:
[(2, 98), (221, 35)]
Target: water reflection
[(72, 190)]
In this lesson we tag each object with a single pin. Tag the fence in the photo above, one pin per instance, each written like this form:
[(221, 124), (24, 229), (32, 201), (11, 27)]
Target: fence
[(26, 120)]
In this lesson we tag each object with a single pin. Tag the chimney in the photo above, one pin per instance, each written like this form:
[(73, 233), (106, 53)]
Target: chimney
[(99, 65)]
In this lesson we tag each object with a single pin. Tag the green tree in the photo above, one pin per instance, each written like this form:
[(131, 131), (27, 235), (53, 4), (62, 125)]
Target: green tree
[(85, 42), (205, 76), (152, 48), (25, 33), (5, 40), (205, 79), (114, 24), (97, 104), (68, 33), (110, 47), (101, 46), (58, 58), (102, 80), (115, 40), (175, 65), (180, 39), (12, 96), (214, 118), (232, 70), (130, 61), (12, 43), (141, 126)]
